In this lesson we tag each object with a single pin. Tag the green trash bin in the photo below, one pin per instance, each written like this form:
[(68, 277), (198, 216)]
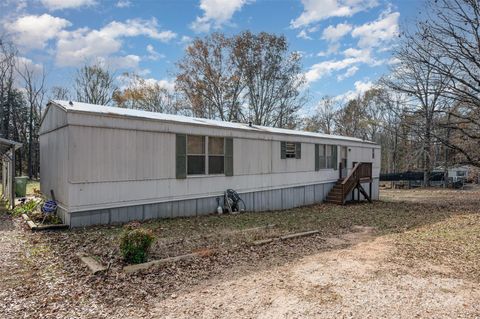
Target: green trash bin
[(21, 186)]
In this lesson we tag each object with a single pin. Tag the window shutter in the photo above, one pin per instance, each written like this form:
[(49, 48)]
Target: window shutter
[(298, 150), (228, 156), (181, 156), (283, 150), (317, 157), (335, 157)]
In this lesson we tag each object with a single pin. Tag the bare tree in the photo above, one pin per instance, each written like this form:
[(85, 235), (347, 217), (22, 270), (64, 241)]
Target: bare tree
[(424, 88), (450, 46), (273, 78), (323, 120), (372, 102), (209, 78), (351, 120), (34, 88), (246, 77), (8, 58), (146, 95), (59, 93), (391, 117), (94, 84)]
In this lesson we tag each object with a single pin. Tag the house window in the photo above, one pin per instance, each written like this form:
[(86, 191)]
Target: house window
[(195, 155), (327, 156), (343, 156), (322, 156), (216, 155), (290, 150), (331, 154), (373, 153)]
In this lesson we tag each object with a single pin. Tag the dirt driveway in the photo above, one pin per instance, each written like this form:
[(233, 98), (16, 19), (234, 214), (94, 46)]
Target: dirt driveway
[(356, 282)]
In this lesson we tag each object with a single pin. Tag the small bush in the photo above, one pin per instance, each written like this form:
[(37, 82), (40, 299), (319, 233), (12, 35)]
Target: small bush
[(135, 244)]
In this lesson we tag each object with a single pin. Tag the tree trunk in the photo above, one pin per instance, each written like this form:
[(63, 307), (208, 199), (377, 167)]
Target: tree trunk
[(427, 162), (30, 142)]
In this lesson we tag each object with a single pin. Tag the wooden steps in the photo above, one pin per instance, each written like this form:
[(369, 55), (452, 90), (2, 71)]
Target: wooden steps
[(335, 195), (361, 173)]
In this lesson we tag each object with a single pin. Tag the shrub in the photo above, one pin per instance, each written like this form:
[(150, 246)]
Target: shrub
[(135, 244)]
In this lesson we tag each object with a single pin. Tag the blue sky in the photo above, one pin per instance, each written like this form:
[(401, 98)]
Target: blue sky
[(345, 44)]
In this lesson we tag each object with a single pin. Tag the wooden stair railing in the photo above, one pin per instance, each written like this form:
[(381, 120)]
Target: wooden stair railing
[(361, 172)]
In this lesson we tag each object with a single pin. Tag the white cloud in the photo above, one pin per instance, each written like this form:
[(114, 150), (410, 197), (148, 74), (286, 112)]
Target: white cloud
[(334, 33), (319, 70), (350, 72), (352, 58), (136, 27), (153, 54), (16, 5), (168, 84), (354, 53), (23, 62), (130, 61), (318, 10), (186, 39), (83, 45), (360, 88), (303, 34), (34, 31), (123, 4), (380, 31), (126, 81), (216, 13), (393, 61), (332, 48), (66, 4)]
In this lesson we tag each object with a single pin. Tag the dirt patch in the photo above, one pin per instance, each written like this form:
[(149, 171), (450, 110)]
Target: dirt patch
[(356, 282)]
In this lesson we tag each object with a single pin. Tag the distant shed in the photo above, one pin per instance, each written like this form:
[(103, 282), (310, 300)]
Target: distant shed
[(7, 159), (112, 165)]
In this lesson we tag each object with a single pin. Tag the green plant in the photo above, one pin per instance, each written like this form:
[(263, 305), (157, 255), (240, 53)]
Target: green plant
[(135, 244), (26, 208)]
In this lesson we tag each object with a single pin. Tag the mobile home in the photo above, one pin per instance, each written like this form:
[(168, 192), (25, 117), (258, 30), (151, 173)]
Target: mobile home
[(112, 165)]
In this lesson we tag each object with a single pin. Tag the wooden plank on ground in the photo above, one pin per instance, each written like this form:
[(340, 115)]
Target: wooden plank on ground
[(289, 236), (94, 266), (263, 241), (159, 262), (303, 234)]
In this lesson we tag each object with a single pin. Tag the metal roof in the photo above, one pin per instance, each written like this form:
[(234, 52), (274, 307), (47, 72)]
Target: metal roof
[(116, 111), (6, 145)]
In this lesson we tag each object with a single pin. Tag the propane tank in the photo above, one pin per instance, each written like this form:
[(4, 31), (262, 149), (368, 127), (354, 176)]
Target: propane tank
[(219, 207)]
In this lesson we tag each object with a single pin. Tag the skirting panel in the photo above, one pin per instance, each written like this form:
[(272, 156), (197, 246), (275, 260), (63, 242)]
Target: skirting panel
[(267, 200)]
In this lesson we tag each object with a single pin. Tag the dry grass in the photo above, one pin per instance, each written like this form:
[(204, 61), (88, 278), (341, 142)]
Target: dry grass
[(32, 186), (427, 226)]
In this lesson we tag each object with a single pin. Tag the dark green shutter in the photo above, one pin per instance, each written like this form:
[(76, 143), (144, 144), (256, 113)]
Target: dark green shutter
[(181, 156), (317, 157), (229, 156), (298, 150), (283, 150), (335, 156)]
